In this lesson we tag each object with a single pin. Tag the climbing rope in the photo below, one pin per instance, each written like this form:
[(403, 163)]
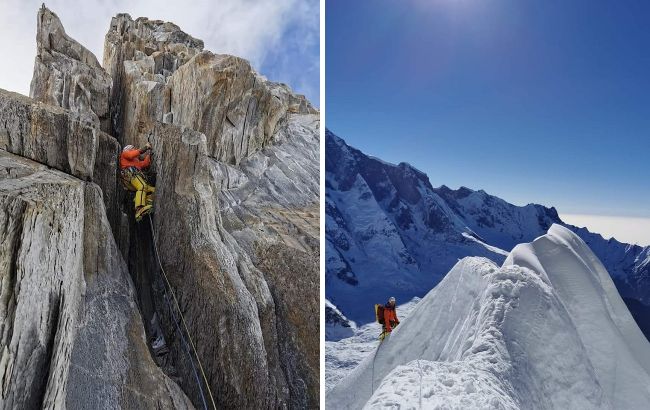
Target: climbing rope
[(420, 367), (205, 379), (372, 377), (187, 350)]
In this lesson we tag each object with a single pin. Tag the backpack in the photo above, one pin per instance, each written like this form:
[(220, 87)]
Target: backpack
[(379, 313)]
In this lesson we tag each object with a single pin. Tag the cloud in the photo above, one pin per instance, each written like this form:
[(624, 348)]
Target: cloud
[(623, 228), (262, 31)]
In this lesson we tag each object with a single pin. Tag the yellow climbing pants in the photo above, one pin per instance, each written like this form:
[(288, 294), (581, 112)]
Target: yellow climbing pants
[(143, 191)]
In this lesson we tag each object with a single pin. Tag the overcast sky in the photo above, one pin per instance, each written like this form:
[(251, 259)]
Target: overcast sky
[(279, 37)]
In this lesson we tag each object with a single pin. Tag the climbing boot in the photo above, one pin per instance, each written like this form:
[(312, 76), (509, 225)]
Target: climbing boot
[(142, 211), (159, 346)]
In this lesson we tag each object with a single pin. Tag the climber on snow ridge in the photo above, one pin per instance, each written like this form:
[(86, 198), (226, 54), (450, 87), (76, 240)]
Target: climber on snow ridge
[(386, 315), (132, 162)]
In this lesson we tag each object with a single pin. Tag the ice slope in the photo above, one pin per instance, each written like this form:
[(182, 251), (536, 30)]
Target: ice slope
[(618, 350), (552, 334)]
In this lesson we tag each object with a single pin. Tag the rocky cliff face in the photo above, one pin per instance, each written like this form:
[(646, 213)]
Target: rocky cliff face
[(235, 227), (72, 335), (67, 75)]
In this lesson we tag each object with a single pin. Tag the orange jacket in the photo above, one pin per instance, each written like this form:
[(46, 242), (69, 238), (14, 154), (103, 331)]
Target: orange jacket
[(390, 317), (130, 159)]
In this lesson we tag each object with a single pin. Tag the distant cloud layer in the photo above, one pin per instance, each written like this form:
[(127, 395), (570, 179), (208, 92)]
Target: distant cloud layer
[(279, 37), (624, 229)]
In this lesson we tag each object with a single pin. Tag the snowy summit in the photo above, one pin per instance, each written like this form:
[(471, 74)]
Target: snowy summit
[(546, 330)]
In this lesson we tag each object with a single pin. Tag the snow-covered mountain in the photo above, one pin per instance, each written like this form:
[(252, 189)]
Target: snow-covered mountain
[(337, 326), (546, 330), (390, 232)]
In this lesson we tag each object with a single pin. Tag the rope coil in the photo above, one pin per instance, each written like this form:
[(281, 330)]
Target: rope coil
[(185, 344)]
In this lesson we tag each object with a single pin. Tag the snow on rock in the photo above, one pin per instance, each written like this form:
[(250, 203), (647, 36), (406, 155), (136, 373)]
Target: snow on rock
[(546, 330), (337, 326), (488, 247)]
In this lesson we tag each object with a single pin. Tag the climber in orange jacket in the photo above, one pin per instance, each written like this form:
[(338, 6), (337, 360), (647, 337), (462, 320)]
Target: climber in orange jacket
[(132, 162), (390, 316)]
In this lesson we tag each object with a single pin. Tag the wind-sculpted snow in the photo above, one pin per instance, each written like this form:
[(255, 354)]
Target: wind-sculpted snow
[(422, 384), (616, 347), (628, 265), (550, 334)]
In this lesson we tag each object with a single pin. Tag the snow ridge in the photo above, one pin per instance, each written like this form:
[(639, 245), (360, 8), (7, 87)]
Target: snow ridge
[(547, 330)]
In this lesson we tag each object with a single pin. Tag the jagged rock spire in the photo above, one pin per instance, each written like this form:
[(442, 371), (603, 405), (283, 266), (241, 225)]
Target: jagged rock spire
[(67, 74)]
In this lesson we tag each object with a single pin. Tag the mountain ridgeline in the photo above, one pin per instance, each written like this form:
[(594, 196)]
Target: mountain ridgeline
[(389, 232), (546, 329), (88, 317)]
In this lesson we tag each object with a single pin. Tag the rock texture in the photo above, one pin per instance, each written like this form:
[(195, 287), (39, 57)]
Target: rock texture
[(235, 225), (162, 74), (71, 332), (248, 298), (67, 75), (237, 109), (59, 138), (140, 55)]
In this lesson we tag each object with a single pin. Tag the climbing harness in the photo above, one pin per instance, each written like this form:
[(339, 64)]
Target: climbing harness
[(134, 179), (125, 177), (178, 328)]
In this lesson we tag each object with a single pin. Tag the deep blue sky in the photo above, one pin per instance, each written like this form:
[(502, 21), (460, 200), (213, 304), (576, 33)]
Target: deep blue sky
[(534, 101)]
